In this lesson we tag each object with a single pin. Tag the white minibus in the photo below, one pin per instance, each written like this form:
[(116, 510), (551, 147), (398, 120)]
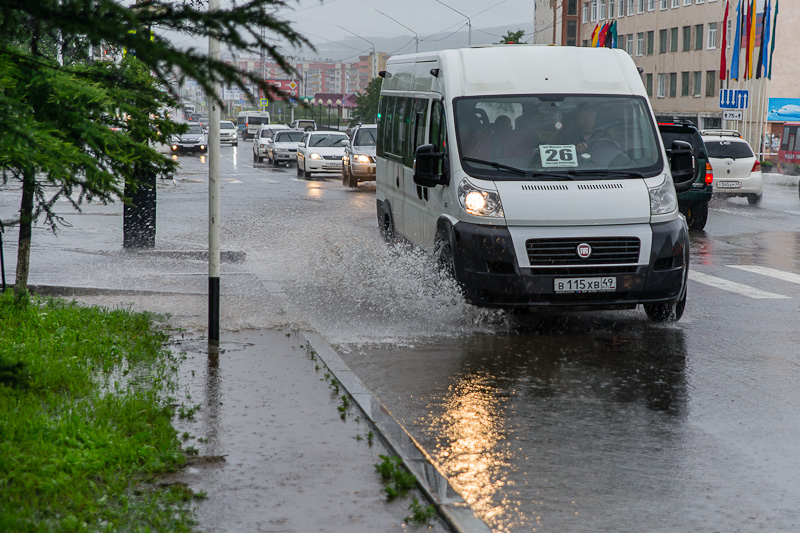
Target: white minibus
[(536, 176), (249, 121)]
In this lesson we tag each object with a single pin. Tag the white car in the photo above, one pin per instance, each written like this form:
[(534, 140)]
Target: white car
[(321, 151), (228, 133), (737, 170), (262, 139), (359, 158), (283, 146)]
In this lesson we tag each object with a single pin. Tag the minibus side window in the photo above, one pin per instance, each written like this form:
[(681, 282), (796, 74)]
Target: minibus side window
[(417, 132), (438, 131), (383, 125)]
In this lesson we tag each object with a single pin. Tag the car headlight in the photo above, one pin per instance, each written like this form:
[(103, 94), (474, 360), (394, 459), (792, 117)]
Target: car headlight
[(362, 159), (663, 198), (479, 202), (315, 156)]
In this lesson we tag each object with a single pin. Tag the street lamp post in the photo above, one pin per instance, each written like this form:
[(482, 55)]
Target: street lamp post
[(469, 22), (372, 67), (416, 47), (329, 103), (338, 114)]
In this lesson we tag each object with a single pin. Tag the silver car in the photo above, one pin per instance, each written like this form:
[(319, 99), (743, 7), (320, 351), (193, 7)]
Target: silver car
[(228, 133), (262, 139), (737, 170), (283, 146), (358, 163)]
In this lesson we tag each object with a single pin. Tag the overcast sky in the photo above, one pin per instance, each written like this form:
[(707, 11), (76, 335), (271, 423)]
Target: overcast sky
[(320, 21)]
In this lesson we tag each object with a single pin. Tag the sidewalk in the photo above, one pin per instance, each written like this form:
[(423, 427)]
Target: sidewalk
[(274, 452)]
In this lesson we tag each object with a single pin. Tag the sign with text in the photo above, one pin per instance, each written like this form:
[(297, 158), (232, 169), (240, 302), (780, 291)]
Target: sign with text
[(732, 115), (733, 99)]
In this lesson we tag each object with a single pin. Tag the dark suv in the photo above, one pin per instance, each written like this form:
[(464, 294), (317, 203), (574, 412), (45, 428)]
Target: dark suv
[(694, 202)]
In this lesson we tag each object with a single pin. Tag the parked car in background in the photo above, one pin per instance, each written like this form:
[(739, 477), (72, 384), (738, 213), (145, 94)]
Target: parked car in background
[(321, 151), (694, 202), (304, 124), (193, 141), (283, 146), (262, 138), (228, 133), (737, 170), (358, 163)]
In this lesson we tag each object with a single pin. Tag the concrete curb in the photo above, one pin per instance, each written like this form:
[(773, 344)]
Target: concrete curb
[(452, 507)]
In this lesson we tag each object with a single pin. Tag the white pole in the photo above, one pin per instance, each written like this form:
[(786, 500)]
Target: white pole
[(213, 200)]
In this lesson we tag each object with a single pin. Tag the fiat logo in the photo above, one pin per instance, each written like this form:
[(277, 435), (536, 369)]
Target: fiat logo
[(584, 250)]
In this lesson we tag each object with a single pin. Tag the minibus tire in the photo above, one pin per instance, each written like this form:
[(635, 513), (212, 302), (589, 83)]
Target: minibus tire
[(672, 311), (387, 228)]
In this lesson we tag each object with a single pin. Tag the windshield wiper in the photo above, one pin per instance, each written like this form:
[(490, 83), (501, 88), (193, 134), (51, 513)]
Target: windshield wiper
[(495, 164)]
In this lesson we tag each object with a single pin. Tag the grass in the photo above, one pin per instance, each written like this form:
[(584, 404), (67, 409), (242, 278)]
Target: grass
[(85, 423)]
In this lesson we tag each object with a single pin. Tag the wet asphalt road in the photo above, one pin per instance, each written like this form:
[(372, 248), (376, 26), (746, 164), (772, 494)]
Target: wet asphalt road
[(572, 422), (595, 421)]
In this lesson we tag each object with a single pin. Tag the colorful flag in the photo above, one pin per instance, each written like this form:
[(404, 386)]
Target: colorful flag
[(751, 38), (601, 38), (736, 43), (611, 35), (772, 44), (723, 62), (748, 6), (594, 34), (762, 56)]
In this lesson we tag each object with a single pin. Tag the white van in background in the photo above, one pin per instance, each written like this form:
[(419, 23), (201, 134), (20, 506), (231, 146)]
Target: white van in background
[(249, 121), (537, 177)]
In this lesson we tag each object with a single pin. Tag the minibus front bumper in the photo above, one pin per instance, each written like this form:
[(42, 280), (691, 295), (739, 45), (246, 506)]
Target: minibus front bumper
[(490, 276)]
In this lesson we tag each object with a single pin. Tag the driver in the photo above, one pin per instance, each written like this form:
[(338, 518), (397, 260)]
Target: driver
[(586, 131)]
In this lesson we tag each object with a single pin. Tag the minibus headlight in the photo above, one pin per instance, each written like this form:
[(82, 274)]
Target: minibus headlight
[(362, 159), (479, 202), (663, 198), (315, 156)]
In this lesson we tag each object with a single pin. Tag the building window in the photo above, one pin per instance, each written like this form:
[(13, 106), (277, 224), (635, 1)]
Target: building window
[(712, 35), (629, 44), (728, 31), (687, 2), (651, 5), (648, 84), (664, 4), (651, 37), (662, 41), (585, 13), (673, 84), (593, 15), (685, 83), (611, 5), (676, 3), (711, 82), (572, 7), (687, 38), (572, 32), (698, 37), (662, 85), (673, 40), (630, 7), (602, 12), (640, 43), (640, 7), (698, 1), (698, 83), (621, 8)]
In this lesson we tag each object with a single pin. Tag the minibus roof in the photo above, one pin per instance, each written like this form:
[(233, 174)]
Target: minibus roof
[(522, 69)]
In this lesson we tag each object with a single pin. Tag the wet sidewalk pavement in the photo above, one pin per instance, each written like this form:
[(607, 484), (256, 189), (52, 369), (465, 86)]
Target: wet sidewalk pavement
[(293, 456)]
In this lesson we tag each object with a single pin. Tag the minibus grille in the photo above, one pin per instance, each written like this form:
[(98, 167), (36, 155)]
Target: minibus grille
[(331, 157), (605, 250)]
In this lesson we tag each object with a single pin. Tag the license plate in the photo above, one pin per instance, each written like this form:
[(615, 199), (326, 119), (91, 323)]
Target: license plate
[(573, 285), (332, 165), (729, 184)]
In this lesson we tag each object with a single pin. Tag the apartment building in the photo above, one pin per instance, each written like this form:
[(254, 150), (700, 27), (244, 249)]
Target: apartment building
[(677, 45)]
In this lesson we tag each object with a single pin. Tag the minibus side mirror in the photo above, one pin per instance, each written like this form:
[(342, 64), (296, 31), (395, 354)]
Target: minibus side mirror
[(426, 167), (682, 163)]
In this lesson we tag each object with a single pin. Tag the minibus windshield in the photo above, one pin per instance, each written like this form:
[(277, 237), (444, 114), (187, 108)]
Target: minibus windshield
[(562, 136)]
